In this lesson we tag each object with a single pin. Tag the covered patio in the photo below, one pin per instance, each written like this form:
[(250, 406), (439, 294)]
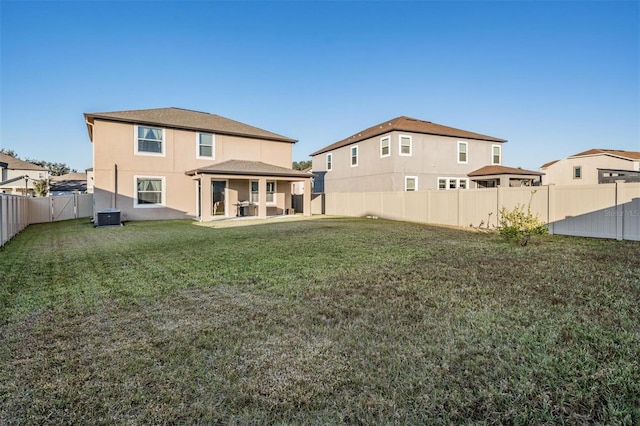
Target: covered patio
[(237, 188), (503, 176)]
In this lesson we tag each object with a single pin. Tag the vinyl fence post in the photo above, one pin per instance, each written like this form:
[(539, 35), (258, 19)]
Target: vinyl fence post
[(550, 207), (619, 210), (1, 220)]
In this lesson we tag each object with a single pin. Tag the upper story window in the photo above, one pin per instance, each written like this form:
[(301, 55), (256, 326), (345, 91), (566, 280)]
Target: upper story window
[(354, 156), (329, 161), (410, 183), (206, 145), (385, 146), (463, 152), (496, 154), (149, 140), (149, 191), (405, 145), (577, 172)]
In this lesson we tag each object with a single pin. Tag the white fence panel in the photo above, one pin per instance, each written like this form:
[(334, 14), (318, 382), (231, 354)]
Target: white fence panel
[(13, 216), (39, 209), (604, 211), (63, 207), (84, 205)]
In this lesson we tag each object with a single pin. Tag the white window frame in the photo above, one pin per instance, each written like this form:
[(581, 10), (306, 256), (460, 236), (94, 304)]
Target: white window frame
[(466, 152), (499, 154), (151, 154), (351, 156), (274, 193), (163, 192), (388, 140), (252, 192), (410, 145), (213, 146), (274, 200), (406, 179), (450, 180), (329, 161)]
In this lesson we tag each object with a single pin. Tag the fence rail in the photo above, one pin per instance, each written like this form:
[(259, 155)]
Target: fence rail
[(17, 211), (604, 210)]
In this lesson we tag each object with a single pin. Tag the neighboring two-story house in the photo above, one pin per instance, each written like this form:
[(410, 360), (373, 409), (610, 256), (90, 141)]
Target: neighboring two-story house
[(593, 167), (175, 163), (404, 154), (17, 176)]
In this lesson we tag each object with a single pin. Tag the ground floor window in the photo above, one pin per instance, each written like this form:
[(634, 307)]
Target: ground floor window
[(271, 191), (410, 183), (453, 183), (149, 191)]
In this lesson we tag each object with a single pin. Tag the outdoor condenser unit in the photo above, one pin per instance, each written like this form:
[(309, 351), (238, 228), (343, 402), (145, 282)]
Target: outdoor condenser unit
[(108, 217)]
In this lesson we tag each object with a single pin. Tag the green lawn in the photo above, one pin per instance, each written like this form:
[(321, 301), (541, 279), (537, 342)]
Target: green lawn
[(322, 321)]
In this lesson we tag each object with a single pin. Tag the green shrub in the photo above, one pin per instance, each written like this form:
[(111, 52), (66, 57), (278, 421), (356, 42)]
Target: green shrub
[(520, 224)]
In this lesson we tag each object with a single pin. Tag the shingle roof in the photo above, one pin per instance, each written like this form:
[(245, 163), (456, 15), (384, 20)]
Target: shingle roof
[(241, 167), (502, 170), (17, 164), (549, 163), (408, 124), (69, 182), (631, 155), (186, 119)]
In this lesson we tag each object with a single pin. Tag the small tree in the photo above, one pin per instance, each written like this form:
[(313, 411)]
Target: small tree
[(520, 224), (41, 188)]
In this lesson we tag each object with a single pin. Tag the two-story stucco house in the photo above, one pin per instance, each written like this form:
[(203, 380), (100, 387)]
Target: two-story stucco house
[(18, 176), (176, 163), (404, 154), (592, 167)]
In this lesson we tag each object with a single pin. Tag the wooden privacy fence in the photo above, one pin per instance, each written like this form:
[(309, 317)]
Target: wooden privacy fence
[(17, 212), (605, 211)]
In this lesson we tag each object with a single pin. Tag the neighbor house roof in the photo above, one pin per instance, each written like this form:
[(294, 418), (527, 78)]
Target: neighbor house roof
[(241, 167), (17, 164), (549, 163), (185, 119), (408, 124), (502, 170), (69, 182), (629, 155)]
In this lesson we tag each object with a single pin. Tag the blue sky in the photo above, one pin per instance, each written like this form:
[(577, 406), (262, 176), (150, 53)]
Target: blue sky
[(554, 78)]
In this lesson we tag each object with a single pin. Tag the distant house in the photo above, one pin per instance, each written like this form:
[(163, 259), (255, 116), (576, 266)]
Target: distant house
[(592, 167), (69, 183), (17, 176), (407, 154), (176, 163)]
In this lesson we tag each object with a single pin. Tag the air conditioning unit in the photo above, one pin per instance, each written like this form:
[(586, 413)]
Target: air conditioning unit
[(108, 217)]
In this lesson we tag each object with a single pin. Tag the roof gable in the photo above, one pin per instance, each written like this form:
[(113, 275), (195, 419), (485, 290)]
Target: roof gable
[(187, 119), (408, 124)]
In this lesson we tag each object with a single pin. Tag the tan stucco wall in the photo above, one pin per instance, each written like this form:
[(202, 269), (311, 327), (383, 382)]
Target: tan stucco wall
[(432, 157), (114, 144), (561, 172)]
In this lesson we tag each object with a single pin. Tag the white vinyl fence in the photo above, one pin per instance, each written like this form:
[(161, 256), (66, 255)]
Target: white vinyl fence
[(13, 216), (17, 212), (604, 211)]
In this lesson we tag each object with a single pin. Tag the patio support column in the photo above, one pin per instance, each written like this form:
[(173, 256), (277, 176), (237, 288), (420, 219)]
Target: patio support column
[(205, 198), (306, 197), (262, 197)]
